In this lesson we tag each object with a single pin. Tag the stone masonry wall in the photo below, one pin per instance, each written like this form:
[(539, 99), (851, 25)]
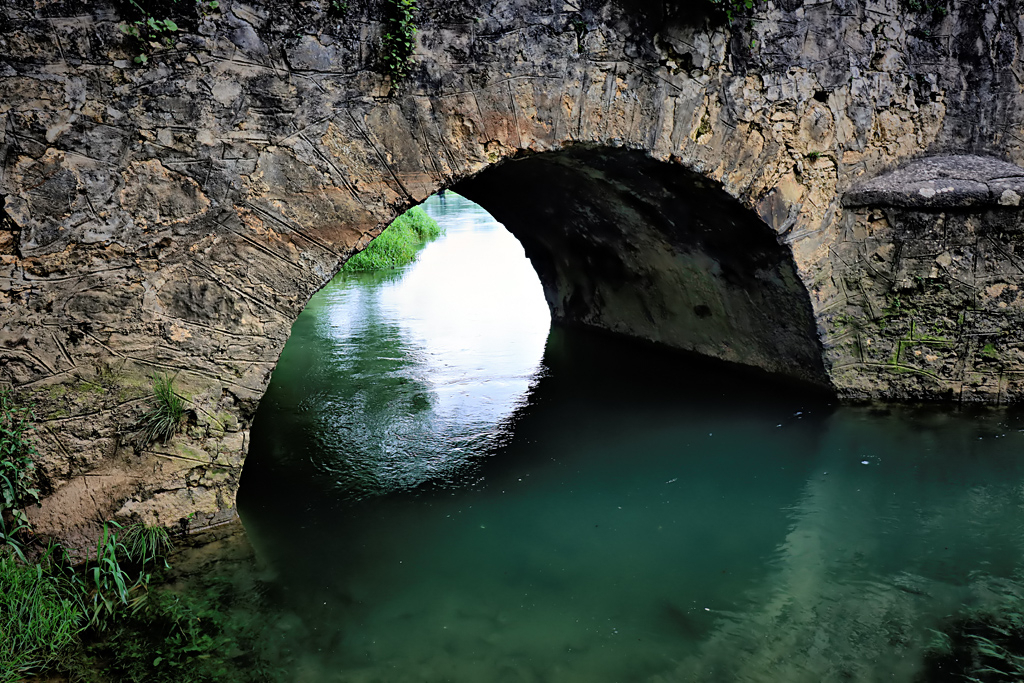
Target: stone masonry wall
[(175, 217)]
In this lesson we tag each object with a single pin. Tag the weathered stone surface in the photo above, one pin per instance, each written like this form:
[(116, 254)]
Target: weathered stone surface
[(175, 217), (927, 282), (944, 182)]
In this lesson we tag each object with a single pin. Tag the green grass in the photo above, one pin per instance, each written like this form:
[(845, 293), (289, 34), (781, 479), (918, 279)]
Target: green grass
[(39, 619), (101, 616), (166, 415), (106, 617), (398, 244), (983, 645)]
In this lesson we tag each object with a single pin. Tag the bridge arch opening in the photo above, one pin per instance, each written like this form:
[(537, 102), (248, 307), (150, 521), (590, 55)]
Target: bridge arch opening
[(394, 528), (653, 250), (619, 241)]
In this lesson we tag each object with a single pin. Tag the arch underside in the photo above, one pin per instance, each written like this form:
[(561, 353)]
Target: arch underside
[(649, 249)]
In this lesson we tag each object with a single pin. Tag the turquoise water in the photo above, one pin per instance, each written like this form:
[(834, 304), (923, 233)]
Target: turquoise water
[(439, 488)]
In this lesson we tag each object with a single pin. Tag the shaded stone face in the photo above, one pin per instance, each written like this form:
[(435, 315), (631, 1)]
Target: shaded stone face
[(174, 218), (930, 276), (649, 249)]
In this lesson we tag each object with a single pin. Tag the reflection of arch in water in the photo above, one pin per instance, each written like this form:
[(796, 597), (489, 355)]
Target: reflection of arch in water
[(394, 379), (348, 391)]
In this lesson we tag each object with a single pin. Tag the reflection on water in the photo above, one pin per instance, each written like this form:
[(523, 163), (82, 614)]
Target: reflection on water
[(394, 379), (436, 502)]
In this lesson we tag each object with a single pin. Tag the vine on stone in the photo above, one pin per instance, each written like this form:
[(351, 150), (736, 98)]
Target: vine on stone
[(152, 29), (937, 8), (398, 39), (734, 8)]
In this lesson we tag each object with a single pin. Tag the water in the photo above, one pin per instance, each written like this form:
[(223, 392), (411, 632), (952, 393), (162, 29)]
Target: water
[(439, 490)]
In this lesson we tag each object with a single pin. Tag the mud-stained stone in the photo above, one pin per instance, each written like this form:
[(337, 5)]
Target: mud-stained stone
[(161, 196), (672, 177), (929, 280)]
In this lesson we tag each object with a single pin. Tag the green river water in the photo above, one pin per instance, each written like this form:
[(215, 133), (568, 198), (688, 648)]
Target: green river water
[(441, 488)]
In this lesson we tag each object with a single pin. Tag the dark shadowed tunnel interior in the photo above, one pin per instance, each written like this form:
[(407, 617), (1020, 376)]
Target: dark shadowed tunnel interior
[(650, 249)]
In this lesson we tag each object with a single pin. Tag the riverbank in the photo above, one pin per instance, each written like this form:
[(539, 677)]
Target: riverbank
[(398, 244)]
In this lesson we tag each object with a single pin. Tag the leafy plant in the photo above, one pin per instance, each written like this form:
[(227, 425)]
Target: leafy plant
[(151, 30), (166, 415), (127, 559), (146, 546), (338, 8), (734, 8), (147, 31), (17, 473), (197, 636), (579, 27), (398, 39), (398, 243), (45, 606), (937, 8), (11, 535), (109, 591)]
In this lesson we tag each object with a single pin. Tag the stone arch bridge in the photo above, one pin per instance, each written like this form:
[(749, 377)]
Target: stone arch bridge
[(723, 188)]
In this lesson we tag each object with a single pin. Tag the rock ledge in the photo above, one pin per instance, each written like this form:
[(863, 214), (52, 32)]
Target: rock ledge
[(944, 182)]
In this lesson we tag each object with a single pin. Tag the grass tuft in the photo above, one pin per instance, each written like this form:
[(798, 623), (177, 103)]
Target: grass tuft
[(146, 546), (398, 243), (164, 420), (983, 644), (39, 623)]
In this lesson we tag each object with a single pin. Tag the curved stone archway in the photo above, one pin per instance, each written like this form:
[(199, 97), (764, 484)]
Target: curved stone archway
[(175, 218), (649, 249)]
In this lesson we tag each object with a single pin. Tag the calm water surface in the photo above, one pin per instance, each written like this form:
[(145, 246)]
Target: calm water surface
[(440, 490)]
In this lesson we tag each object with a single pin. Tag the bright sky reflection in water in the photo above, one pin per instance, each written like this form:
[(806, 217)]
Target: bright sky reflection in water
[(394, 379), (435, 503), (481, 324)]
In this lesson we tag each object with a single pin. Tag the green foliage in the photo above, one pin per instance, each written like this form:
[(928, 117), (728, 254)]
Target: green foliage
[(705, 126), (40, 619), (110, 584), (17, 453), (127, 559), (579, 27), (17, 473), (194, 637), (135, 633), (937, 8), (398, 243), (165, 416), (734, 8), (147, 31), (398, 39), (338, 8), (152, 29), (146, 547)]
